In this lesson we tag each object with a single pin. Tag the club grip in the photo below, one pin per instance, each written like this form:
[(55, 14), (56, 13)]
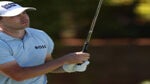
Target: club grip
[(85, 47)]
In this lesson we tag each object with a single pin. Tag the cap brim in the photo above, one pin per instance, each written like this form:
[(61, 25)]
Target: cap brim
[(17, 11)]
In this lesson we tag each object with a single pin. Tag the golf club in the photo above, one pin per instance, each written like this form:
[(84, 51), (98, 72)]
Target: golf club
[(85, 46)]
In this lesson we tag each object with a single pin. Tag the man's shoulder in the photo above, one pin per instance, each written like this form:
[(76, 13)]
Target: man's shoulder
[(3, 44), (34, 30), (37, 33)]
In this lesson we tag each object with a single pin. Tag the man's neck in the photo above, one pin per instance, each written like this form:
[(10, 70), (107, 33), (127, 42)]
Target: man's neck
[(14, 33)]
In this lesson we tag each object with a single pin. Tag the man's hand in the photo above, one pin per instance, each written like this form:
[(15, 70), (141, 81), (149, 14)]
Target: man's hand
[(75, 67), (82, 67), (76, 58)]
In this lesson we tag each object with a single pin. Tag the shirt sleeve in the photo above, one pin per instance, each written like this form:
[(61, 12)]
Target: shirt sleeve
[(5, 53), (50, 43)]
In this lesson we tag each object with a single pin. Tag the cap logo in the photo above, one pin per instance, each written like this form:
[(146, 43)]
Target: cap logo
[(9, 5)]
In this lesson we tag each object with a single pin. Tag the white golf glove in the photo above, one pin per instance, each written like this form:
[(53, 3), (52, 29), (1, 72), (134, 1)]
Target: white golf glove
[(75, 67)]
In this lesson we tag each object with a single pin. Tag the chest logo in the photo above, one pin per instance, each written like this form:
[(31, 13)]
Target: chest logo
[(40, 46)]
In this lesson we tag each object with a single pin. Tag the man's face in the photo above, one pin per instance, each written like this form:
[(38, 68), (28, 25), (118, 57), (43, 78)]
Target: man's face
[(18, 22)]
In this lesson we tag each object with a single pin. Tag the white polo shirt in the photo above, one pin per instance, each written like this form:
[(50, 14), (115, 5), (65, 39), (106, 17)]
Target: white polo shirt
[(29, 51)]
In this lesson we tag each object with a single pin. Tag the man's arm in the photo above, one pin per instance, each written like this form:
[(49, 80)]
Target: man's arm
[(14, 71), (58, 70)]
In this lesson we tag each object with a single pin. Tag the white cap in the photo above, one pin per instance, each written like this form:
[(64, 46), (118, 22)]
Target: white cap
[(9, 9)]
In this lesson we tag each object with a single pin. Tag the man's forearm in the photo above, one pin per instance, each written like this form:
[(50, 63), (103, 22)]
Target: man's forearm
[(58, 70), (22, 73)]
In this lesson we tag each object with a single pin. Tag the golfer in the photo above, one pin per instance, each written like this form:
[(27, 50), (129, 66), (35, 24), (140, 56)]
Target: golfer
[(26, 53)]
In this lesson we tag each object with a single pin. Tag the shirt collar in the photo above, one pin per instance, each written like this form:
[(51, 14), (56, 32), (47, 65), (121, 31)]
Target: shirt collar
[(7, 37)]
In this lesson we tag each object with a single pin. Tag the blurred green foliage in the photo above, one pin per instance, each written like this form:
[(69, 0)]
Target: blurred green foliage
[(72, 18)]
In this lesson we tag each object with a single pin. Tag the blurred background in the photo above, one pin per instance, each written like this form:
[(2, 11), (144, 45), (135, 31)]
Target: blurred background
[(120, 44)]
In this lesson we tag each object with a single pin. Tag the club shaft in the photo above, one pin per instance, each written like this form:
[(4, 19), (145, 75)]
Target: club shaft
[(85, 46)]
